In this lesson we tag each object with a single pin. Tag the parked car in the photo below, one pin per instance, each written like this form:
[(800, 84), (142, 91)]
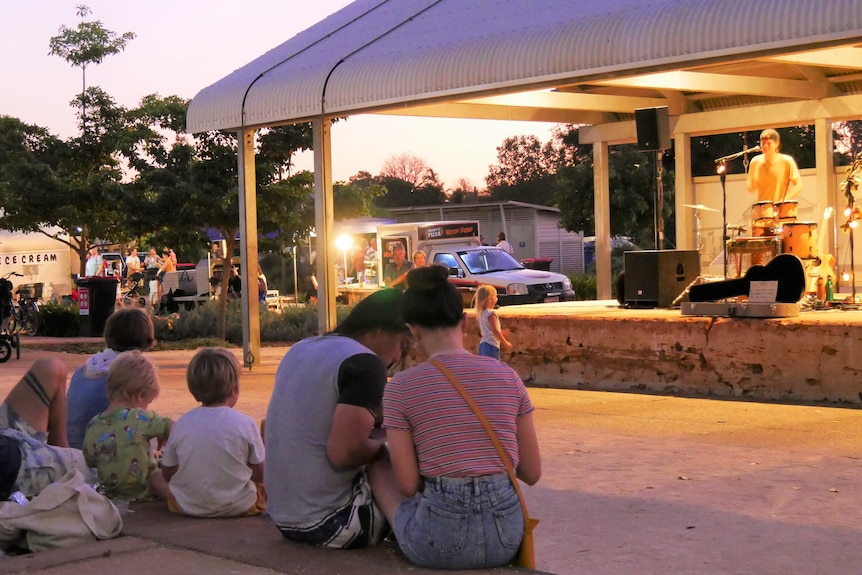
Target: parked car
[(115, 264)]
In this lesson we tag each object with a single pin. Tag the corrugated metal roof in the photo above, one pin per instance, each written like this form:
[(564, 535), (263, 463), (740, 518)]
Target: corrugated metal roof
[(378, 54)]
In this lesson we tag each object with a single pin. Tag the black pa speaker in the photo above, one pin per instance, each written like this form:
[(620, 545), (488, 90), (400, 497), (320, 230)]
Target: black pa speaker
[(653, 128), (654, 278)]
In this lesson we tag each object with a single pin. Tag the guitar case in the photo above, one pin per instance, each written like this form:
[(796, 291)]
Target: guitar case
[(786, 269)]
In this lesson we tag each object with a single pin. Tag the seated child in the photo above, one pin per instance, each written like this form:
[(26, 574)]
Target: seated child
[(117, 441), (214, 459)]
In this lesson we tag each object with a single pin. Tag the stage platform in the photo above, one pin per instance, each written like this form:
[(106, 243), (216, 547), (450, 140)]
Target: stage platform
[(598, 345)]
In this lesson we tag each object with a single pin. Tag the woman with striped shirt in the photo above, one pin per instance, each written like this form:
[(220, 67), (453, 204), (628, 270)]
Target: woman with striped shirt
[(461, 510)]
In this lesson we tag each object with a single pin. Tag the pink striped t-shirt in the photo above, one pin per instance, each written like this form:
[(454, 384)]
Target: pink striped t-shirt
[(450, 441)]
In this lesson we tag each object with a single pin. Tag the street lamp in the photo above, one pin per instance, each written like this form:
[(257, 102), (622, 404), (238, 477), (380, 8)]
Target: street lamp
[(344, 243)]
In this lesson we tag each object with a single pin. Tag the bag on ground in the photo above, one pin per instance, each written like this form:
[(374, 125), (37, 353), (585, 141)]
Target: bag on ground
[(67, 512)]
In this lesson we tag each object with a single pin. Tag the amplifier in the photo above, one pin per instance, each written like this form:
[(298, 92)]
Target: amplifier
[(654, 278)]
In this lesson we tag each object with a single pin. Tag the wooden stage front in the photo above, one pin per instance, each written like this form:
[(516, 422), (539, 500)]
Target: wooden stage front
[(814, 357)]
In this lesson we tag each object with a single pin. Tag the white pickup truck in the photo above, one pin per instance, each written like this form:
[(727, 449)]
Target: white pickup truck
[(455, 245), (471, 266)]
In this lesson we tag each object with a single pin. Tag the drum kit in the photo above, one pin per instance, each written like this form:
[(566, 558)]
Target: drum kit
[(770, 219), (777, 223), (775, 229)]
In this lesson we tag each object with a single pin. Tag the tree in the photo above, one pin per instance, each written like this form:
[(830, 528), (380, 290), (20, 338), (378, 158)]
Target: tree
[(406, 167), (75, 185), (88, 43), (182, 179), (525, 171), (355, 198), (464, 193), (277, 146)]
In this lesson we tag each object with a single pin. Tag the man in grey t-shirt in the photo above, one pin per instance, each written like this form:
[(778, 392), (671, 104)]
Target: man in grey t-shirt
[(326, 477)]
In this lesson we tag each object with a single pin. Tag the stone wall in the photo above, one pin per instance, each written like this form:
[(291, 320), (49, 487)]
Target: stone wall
[(814, 357)]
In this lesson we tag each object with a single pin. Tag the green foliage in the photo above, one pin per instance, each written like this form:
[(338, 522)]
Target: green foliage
[(290, 325), (58, 320), (88, 43), (584, 286)]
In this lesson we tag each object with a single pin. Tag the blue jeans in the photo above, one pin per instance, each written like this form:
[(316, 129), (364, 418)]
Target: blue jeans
[(488, 350), (461, 523)]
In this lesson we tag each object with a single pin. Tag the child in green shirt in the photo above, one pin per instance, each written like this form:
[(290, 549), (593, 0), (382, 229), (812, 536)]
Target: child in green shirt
[(117, 441)]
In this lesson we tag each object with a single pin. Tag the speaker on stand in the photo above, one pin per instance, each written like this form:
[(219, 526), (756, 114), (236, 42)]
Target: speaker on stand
[(653, 132)]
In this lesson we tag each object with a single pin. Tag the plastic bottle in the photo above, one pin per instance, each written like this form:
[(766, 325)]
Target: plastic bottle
[(821, 290), (18, 498), (830, 289)]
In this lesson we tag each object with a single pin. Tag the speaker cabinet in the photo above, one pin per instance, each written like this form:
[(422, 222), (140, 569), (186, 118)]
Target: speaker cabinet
[(654, 278), (653, 128)]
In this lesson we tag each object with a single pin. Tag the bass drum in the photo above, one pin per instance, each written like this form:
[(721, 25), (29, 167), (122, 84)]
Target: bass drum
[(800, 239)]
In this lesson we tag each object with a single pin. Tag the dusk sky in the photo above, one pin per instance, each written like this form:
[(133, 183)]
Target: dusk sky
[(183, 46)]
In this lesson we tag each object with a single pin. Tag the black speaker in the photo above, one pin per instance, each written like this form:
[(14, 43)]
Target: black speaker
[(654, 278), (653, 128)]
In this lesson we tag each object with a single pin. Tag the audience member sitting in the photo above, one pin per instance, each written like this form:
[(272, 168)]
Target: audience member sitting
[(214, 442), (125, 329), (117, 441)]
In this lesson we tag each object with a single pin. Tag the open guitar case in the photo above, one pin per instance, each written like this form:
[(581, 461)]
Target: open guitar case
[(785, 269)]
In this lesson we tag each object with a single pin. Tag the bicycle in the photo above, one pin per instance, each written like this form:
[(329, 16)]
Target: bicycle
[(26, 316), (9, 336)]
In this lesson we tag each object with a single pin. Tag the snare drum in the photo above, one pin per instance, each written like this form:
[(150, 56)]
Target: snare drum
[(786, 211), (762, 211), (763, 227), (800, 239)]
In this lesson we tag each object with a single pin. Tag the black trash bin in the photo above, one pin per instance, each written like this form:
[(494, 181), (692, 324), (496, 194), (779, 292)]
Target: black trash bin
[(96, 299), (543, 264)]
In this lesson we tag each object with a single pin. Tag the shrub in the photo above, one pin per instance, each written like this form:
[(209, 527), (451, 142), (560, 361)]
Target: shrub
[(290, 325), (57, 319), (584, 286)]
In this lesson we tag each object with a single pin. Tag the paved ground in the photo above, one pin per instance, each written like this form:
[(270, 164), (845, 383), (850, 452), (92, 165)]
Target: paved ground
[(632, 484)]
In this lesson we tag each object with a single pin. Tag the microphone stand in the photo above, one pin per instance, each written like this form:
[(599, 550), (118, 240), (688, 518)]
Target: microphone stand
[(722, 176)]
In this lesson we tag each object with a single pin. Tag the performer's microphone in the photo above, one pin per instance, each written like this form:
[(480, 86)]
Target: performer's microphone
[(754, 149)]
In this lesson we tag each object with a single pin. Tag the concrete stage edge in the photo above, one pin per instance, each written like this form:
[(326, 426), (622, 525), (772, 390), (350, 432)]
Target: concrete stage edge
[(599, 345)]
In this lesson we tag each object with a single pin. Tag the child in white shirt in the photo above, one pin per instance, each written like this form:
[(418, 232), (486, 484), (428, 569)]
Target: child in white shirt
[(214, 458)]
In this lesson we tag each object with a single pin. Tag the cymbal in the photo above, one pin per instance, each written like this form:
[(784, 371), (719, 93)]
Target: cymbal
[(700, 207)]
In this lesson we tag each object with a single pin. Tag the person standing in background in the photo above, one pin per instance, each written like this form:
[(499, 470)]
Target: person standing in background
[(396, 270), (95, 266), (504, 244)]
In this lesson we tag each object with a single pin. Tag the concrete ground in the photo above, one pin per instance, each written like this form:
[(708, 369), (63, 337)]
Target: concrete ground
[(632, 484)]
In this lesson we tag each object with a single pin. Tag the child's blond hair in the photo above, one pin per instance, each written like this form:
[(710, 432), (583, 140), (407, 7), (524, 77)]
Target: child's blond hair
[(130, 375), (212, 375), (483, 294)]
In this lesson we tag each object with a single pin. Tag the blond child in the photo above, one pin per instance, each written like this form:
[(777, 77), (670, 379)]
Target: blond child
[(213, 461), (117, 441), (493, 338)]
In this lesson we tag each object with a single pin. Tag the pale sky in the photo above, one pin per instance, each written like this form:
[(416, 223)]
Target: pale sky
[(183, 46)]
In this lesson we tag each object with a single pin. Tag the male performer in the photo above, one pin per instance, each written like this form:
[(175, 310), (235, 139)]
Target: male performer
[(772, 176)]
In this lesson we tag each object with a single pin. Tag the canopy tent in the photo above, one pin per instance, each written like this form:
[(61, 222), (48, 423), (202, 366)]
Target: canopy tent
[(719, 66)]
